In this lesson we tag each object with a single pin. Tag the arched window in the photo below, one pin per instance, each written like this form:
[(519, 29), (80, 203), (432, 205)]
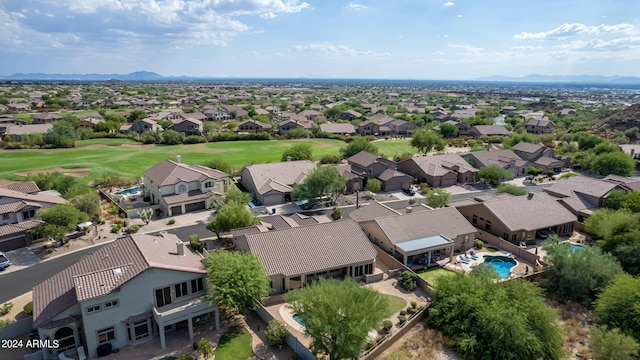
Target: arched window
[(66, 339), (182, 188)]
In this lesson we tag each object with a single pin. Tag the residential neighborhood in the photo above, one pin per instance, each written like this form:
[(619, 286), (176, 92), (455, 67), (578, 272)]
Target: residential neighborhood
[(291, 187)]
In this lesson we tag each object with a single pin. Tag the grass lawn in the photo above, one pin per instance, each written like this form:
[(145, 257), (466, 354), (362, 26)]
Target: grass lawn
[(394, 147), (131, 160), (234, 346), (434, 275), (491, 249), (396, 304)]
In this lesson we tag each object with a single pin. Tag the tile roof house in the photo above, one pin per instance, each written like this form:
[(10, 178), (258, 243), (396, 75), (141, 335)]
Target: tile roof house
[(540, 125), (188, 126), (297, 256), (19, 203), (349, 115), (15, 132), (506, 159), (439, 170), (338, 128), (145, 125), (272, 183), (517, 218), (421, 237), (128, 292), (370, 166), (293, 122), (541, 156), (46, 118), (488, 130), (253, 126), (179, 188), (582, 195), (628, 183)]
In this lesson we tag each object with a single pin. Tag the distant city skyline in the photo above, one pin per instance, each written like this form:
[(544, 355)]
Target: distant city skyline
[(377, 39)]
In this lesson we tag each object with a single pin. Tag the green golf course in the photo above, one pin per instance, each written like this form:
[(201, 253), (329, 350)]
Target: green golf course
[(130, 159)]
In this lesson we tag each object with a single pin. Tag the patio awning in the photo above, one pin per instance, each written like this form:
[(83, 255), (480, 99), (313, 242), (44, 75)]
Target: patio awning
[(136, 318), (424, 243)]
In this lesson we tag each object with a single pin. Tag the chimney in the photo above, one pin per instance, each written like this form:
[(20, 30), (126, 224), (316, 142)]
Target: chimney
[(288, 158), (180, 246), (408, 210), (178, 159), (530, 196)]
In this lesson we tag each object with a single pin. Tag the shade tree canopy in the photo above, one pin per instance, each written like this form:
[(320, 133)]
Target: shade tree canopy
[(321, 181)]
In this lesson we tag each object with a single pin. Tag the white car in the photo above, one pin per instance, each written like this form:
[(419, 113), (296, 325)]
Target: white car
[(4, 261)]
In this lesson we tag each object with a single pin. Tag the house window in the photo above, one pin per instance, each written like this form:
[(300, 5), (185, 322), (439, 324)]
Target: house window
[(92, 309), (28, 214), (163, 296), (138, 331), (66, 339), (111, 304), (474, 221), (182, 188), (6, 216), (106, 335), (181, 289), (208, 184), (505, 236), (197, 285), (487, 226), (514, 237), (368, 269)]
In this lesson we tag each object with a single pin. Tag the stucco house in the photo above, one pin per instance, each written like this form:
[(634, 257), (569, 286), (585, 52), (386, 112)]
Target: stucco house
[(272, 183), (539, 125), (372, 166), (19, 203), (130, 291), (253, 126), (299, 255), (439, 170), (488, 130), (541, 156), (506, 159), (180, 188), (188, 126), (516, 218)]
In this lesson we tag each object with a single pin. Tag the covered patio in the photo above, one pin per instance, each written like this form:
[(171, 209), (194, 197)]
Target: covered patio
[(423, 252)]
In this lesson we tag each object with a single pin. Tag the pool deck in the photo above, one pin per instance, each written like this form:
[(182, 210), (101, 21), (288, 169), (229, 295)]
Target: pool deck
[(517, 271)]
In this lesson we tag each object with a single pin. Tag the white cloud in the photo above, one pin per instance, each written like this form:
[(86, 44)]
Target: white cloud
[(448, 3), (568, 30), (354, 6), (459, 16), (332, 50)]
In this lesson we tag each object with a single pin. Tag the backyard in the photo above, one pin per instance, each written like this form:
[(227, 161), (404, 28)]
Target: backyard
[(234, 345), (130, 159), (433, 275)]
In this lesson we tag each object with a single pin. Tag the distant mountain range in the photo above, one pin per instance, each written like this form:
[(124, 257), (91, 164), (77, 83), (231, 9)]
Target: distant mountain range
[(581, 79), (152, 76)]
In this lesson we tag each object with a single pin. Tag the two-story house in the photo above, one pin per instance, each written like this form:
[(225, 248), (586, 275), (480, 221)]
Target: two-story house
[(180, 188), (130, 291), (541, 156), (19, 203), (46, 118), (540, 125), (254, 126), (188, 126), (372, 166)]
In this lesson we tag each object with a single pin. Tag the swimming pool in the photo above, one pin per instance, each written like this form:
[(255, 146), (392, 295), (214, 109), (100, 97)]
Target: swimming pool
[(297, 318), (501, 264), (131, 191), (575, 247)]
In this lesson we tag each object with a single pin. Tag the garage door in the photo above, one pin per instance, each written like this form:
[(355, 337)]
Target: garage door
[(272, 199), (195, 206), (176, 210), (6, 245)]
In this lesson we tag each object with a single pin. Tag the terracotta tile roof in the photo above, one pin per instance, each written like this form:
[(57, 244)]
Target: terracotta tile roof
[(337, 128), (38, 198), (13, 229), (266, 177), (581, 184), (527, 147), (28, 129), (389, 174), (444, 221), (170, 172), (12, 207), (490, 130), (529, 213), (26, 187), (133, 253), (498, 157), (311, 249), (365, 159)]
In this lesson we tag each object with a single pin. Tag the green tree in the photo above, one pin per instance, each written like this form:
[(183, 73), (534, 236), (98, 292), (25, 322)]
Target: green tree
[(235, 195), (276, 332), (426, 140), (60, 219), (172, 137), (145, 215), (616, 199), (618, 232), (336, 214), (53, 181), (577, 274), (617, 305), (219, 164), (152, 137), (88, 203), (448, 130), (494, 174), (511, 189), (534, 171), (612, 344), (374, 185), (299, 133), (237, 279), (632, 202), (232, 215), (321, 181), (617, 163), (474, 310), (338, 315), (437, 198), (299, 151), (356, 145)]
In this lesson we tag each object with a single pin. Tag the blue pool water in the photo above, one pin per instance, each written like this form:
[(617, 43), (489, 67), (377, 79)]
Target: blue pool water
[(575, 247), (134, 190), (299, 321), (501, 264)]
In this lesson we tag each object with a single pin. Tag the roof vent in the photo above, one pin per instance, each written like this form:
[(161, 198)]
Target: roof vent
[(180, 247), (117, 271), (178, 159), (408, 210)]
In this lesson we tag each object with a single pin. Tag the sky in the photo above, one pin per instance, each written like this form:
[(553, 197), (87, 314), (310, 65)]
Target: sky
[(376, 39)]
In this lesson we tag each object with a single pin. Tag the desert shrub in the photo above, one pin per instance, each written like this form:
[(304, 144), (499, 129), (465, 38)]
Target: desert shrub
[(414, 304), (402, 319), (478, 244), (5, 308), (407, 280), (387, 325), (276, 332), (115, 229), (28, 308), (196, 244), (330, 159), (4, 323), (133, 229), (411, 310), (403, 312), (171, 222)]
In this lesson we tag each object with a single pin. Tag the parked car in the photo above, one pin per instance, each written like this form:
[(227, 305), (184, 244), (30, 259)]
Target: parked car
[(4, 261), (409, 191), (543, 234)]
